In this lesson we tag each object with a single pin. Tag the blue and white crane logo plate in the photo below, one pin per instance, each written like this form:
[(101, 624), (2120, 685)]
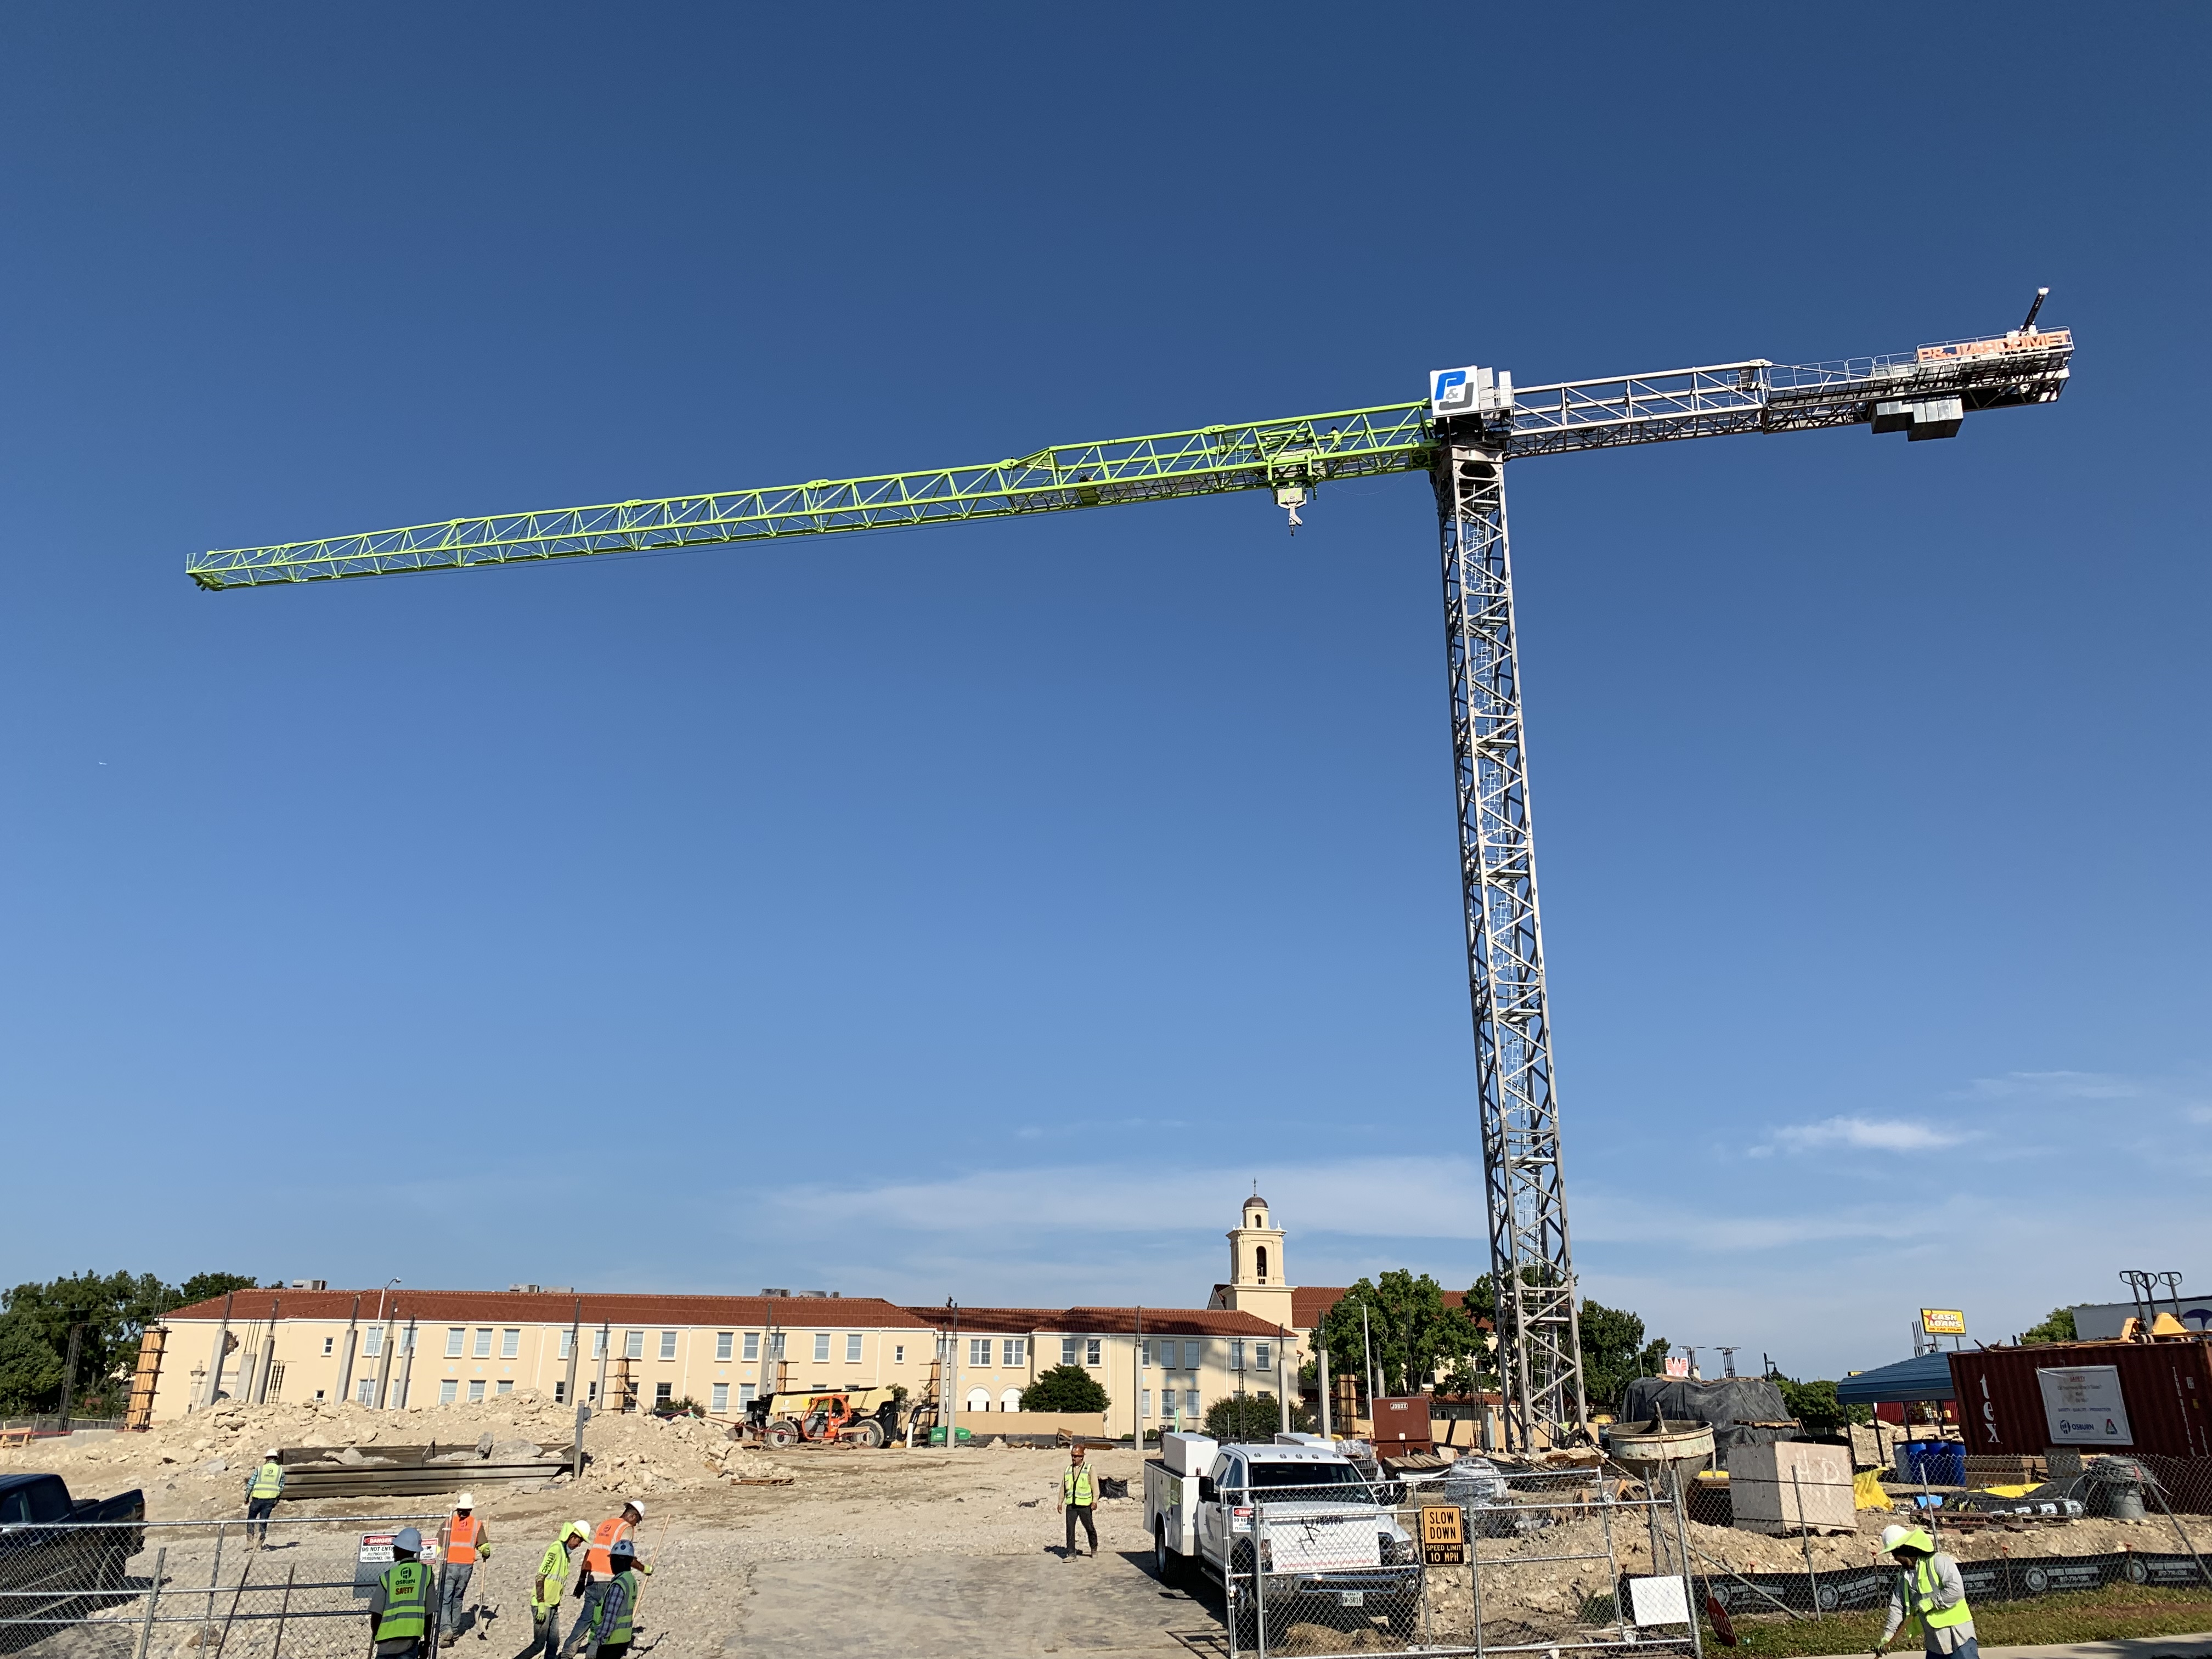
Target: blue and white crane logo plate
[(1469, 390)]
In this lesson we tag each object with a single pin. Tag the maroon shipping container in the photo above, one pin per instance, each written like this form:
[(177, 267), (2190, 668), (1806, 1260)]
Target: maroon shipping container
[(1402, 1423), (2148, 1398)]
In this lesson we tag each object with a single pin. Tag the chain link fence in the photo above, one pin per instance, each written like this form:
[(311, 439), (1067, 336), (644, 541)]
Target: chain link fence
[(285, 1589), (1485, 1561)]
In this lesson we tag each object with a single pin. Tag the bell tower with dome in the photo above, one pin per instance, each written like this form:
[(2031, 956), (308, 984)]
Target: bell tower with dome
[(1258, 1284)]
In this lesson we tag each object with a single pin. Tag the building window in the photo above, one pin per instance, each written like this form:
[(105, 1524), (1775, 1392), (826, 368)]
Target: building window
[(590, 1394), (753, 1345), (449, 1391), (1067, 1349), (510, 1343), (1090, 1352), (1017, 1350), (776, 1345), (664, 1394), (407, 1344), (852, 1347), (633, 1345), (1145, 1402), (668, 1345), (366, 1393), (979, 1351), (454, 1338), (1190, 1402), (746, 1394), (1190, 1357), (1263, 1355), (371, 1340), (567, 1343), (329, 1343), (898, 1354), (506, 1386), (560, 1390), (821, 1347), (1262, 1255), (318, 1393), (275, 1388), (722, 1344), (483, 1342), (475, 1390), (720, 1403), (600, 1343), (1237, 1353)]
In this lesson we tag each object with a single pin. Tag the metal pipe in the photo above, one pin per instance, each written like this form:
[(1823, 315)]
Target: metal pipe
[(1137, 1385), (1321, 1376), (214, 1574), (69, 1375)]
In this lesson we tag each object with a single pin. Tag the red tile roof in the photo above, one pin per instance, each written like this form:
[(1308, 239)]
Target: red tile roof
[(1116, 1322), (545, 1307)]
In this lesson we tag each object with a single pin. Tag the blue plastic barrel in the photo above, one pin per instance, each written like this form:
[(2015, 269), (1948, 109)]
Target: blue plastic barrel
[(1935, 1464)]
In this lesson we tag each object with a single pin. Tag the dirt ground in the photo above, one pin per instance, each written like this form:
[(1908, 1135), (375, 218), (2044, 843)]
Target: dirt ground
[(905, 1555)]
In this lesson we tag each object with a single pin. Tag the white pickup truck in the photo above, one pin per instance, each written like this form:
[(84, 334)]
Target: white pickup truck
[(1327, 1536)]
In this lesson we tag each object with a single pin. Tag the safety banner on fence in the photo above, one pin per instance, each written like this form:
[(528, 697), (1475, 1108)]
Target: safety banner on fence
[(2012, 1579)]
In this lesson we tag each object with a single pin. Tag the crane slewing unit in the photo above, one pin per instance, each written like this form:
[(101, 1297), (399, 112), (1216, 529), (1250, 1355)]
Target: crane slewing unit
[(1473, 421)]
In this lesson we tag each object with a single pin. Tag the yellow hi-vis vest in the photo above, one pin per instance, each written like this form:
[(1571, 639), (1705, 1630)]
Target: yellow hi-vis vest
[(268, 1481), (406, 1602), (1921, 1597), (1076, 1486)]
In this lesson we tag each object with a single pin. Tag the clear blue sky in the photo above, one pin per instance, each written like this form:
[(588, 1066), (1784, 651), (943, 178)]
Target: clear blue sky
[(974, 912)]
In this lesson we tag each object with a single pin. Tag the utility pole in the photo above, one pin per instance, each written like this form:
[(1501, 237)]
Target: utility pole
[(1137, 1382)]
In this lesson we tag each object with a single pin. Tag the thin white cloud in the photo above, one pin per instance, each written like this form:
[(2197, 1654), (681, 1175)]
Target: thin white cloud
[(1869, 1134), (2056, 1085)]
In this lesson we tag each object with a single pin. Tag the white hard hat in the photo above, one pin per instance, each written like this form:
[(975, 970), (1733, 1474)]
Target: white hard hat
[(467, 1500), (632, 1503), (1892, 1536), (581, 1529), (274, 1452)]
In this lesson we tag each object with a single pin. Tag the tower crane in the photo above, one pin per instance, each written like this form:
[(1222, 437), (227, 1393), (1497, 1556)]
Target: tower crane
[(1473, 421)]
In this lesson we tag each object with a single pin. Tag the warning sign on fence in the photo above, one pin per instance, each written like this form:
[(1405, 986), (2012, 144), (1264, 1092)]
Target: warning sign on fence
[(1444, 1535)]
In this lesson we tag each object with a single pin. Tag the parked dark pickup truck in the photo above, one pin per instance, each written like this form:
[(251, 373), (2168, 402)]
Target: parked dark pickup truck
[(61, 1559)]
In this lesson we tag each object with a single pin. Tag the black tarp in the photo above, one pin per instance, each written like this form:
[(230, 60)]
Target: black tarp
[(2013, 1578), (1731, 1405)]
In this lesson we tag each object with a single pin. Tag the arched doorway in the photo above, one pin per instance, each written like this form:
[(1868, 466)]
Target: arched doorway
[(979, 1400), (1011, 1400)]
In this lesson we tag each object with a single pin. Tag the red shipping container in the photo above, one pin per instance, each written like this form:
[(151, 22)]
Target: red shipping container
[(2148, 1398), (1402, 1423)]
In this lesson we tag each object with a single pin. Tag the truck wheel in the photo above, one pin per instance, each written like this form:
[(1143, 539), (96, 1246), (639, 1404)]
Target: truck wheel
[(871, 1434), (1167, 1566), (781, 1436)]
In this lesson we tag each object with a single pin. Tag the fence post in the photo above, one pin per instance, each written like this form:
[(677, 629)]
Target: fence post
[(214, 1576), (1805, 1537), (1475, 1571), (1689, 1580), (153, 1594), (284, 1609), (1260, 1579)]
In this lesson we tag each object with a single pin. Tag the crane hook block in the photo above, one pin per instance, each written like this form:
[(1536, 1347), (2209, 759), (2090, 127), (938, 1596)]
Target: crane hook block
[(1291, 498)]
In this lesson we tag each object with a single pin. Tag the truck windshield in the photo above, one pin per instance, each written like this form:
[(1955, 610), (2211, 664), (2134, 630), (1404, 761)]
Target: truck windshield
[(1335, 1483)]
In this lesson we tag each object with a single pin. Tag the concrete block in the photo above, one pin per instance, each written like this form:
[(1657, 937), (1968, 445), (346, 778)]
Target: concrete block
[(1792, 1485)]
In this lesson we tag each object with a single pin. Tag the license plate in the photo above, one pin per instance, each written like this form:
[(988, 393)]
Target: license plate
[(1352, 1598)]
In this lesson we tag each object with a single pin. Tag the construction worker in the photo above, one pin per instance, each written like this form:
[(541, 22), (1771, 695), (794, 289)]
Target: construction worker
[(464, 1540), (399, 1607), (1929, 1599), (546, 1593), (599, 1571), (1078, 1494), (261, 1492), (610, 1625)]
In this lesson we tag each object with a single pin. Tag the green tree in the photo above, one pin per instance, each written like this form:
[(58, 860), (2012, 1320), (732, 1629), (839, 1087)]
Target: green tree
[(113, 1310), (2059, 1328), (1814, 1405), (30, 1370), (1252, 1417), (1410, 1330), (1065, 1389), (1614, 1353), (205, 1287)]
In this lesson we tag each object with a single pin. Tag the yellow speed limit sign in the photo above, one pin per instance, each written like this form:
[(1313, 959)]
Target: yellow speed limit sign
[(1444, 1535)]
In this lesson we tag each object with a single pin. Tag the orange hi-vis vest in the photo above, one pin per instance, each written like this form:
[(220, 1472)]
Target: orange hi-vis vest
[(603, 1538), (462, 1532)]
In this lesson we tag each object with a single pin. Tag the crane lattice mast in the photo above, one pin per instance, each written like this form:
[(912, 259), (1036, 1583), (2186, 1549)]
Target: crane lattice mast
[(1472, 423)]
